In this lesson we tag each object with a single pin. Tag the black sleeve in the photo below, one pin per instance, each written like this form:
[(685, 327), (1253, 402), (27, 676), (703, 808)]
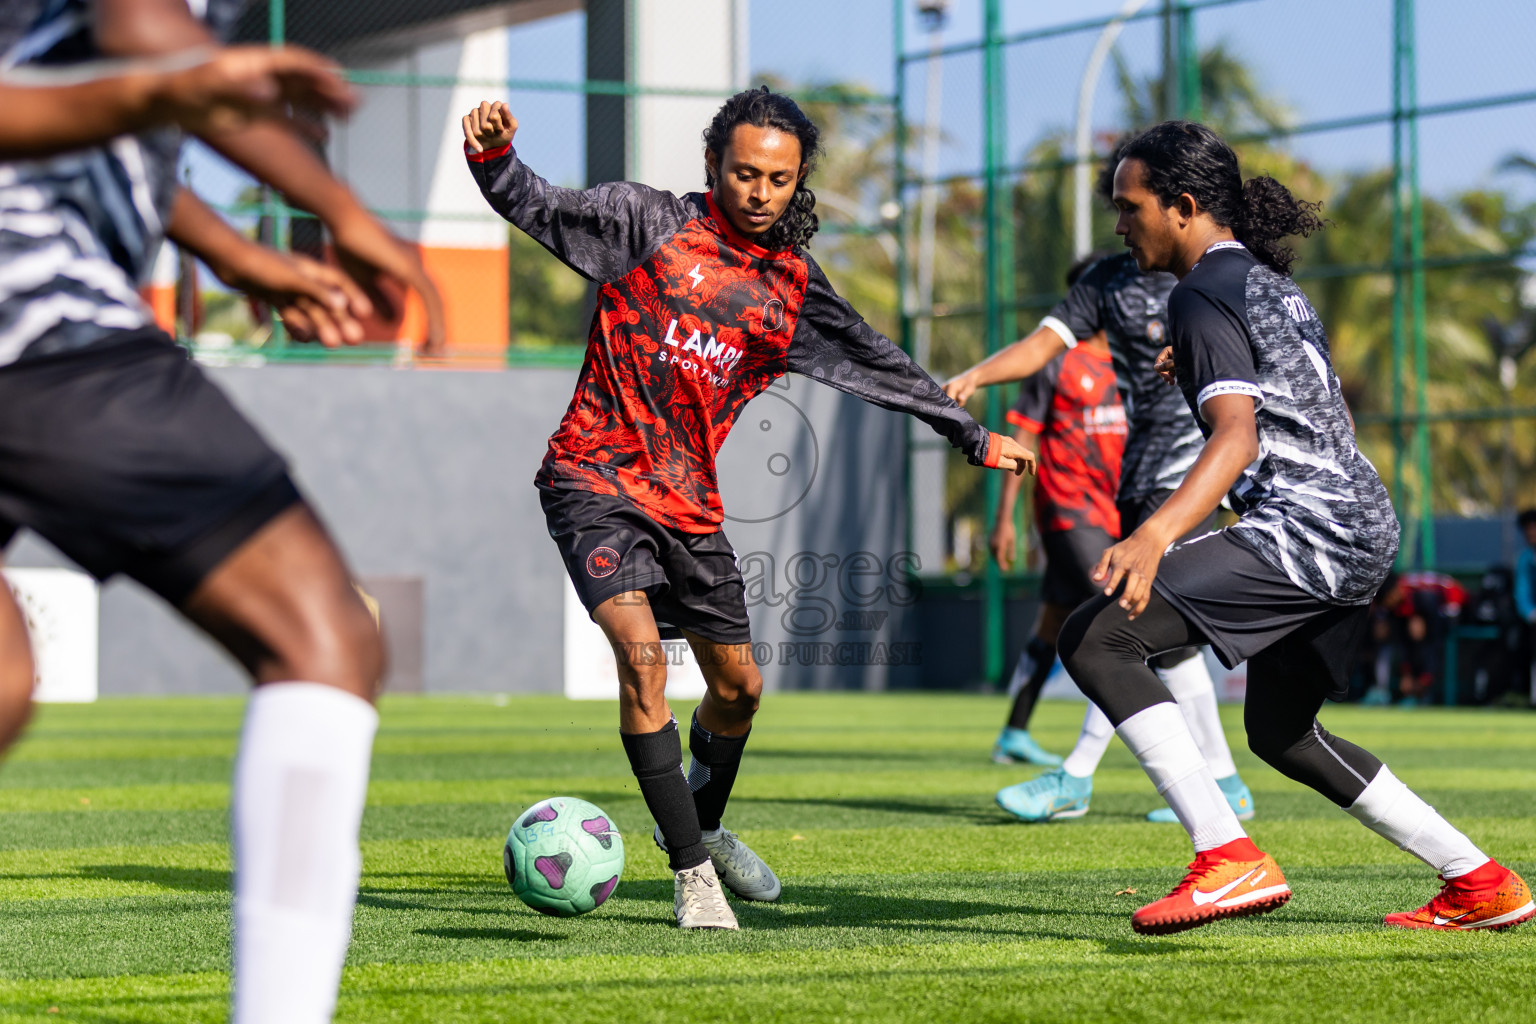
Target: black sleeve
[(1033, 408), (601, 233), (834, 345), (1212, 352), (1081, 312)]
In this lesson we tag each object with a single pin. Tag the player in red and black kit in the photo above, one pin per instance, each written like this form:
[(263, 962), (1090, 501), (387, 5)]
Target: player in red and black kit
[(1074, 407), (703, 300)]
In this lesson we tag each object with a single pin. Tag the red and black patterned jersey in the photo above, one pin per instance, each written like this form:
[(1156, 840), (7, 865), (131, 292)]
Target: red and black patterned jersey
[(692, 321), (1074, 405)]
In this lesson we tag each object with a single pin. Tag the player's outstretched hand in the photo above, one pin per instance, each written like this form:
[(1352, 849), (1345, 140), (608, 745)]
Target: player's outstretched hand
[(1132, 562), (315, 302), (960, 387), (381, 263), (1004, 544), (239, 84), (1015, 457), (489, 126), (1164, 365)]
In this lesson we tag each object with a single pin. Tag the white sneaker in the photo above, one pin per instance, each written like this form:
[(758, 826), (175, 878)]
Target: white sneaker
[(698, 901), (742, 871)]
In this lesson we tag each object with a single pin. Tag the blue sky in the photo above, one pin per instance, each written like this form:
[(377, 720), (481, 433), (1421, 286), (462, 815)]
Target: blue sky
[(1323, 58)]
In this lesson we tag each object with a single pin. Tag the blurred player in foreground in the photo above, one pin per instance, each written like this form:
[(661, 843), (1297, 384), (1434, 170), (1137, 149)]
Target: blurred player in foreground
[(1131, 307), (117, 449), (704, 300), (1074, 407), (1288, 587)]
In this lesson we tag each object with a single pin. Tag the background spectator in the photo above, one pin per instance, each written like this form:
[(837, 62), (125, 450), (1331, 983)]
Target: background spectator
[(1525, 594)]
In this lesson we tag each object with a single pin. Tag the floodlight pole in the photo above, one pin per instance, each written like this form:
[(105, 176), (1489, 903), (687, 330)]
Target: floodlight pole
[(1082, 142)]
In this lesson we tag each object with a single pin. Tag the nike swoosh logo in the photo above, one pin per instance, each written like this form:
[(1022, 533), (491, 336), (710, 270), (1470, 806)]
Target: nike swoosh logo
[(1450, 920), (1202, 898)]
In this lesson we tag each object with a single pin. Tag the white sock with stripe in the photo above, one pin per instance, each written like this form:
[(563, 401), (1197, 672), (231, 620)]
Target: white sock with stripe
[(301, 778), (1159, 736), (1392, 810), (1092, 741), (1191, 685)]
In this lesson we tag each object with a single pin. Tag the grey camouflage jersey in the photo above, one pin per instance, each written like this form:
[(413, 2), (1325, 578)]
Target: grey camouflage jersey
[(1312, 505), (79, 232), (1131, 308)]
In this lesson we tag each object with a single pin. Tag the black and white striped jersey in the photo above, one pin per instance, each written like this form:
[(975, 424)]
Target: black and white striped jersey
[(1131, 308), (79, 233), (1311, 504)]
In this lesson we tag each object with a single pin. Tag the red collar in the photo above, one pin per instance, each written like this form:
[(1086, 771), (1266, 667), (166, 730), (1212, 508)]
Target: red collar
[(737, 240)]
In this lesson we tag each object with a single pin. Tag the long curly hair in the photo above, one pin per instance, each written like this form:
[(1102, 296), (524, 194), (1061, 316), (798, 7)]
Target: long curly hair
[(1183, 156), (763, 109)]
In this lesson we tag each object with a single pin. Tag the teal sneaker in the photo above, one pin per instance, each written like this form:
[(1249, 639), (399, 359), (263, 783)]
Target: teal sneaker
[(1051, 796), (1014, 745), (1231, 787)]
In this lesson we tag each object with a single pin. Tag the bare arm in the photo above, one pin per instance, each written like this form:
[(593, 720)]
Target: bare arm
[(273, 153), (47, 114), (1231, 448), (1004, 539), (315, 301), (1021, 359)]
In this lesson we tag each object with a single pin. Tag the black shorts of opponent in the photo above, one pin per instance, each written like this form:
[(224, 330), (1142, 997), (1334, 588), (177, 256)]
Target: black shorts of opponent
[(1135, 511), (128, 459), (1070, 556), (1248, 609), (611, 547)]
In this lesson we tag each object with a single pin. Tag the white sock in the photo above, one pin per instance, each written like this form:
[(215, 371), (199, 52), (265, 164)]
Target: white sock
[(1092, 741), (1159, 736), (1022, 670), (301, 778), (1392, 810), (1191, 685)]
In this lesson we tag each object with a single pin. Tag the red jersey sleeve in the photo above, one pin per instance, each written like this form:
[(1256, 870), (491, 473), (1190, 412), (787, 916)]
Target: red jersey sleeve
[(1032, 409), (834, 345), (601, 233)]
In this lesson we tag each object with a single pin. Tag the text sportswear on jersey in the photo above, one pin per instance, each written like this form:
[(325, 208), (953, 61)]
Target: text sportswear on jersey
[(692, 321), (1074, 405)]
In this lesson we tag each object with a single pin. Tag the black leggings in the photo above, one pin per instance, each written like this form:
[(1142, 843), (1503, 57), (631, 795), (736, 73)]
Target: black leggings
[(1106, 654)]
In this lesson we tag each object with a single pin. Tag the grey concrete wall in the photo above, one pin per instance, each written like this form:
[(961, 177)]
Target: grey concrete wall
[(428, 474)]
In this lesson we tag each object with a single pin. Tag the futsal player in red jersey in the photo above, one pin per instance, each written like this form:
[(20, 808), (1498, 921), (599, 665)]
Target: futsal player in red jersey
[(1073, 405), (703, 301)]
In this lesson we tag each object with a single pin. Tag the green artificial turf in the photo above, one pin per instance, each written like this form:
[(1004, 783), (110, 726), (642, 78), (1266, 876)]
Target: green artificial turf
[(907, 895)]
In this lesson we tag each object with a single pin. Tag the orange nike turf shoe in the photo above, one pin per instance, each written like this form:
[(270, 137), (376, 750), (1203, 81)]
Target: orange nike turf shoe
[(1235, 880), (1459, 906)]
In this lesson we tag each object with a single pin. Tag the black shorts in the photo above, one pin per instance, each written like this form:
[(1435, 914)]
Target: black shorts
[(1070, 556), (1135, 511), (1248, 609), (128, 459), (611, 547)]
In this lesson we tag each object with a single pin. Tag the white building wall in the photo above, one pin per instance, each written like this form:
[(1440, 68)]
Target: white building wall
[(403, 148), (682, 44)]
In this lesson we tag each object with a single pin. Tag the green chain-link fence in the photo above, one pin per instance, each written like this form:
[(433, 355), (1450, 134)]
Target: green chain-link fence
[(950, 191), (599, 88), (1411, 121)]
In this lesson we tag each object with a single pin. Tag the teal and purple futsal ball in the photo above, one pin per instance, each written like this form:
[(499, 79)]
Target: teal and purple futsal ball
[(564, 856)]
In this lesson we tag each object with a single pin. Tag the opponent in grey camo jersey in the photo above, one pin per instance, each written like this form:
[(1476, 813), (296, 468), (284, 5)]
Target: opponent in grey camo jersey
[(79, 232), (1312, 505), (1131, 308)]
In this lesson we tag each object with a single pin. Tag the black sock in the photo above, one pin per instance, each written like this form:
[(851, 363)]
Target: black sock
[(656, 758), (1041, 657), (713, 772)]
